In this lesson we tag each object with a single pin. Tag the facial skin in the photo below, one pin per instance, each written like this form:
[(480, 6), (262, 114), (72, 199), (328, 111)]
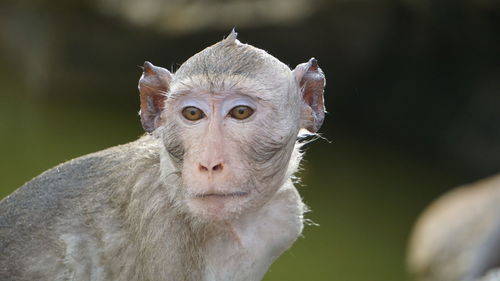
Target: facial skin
[(220, 170), (219, 178)]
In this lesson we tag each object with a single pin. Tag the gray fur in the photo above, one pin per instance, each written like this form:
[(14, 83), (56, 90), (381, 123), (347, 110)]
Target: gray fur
[(83, 196)]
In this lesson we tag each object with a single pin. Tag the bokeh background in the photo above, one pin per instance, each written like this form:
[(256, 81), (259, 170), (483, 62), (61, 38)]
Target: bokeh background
[(413, 94)]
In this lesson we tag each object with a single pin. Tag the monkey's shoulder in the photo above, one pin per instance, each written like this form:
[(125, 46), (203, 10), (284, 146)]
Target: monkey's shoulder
[(61, 190)]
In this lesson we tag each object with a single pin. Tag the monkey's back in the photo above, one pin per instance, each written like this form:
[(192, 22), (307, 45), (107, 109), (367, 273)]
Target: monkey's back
[(29, 217)]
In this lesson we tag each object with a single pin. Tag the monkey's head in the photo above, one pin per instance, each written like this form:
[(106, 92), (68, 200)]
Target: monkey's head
[(229, 119)]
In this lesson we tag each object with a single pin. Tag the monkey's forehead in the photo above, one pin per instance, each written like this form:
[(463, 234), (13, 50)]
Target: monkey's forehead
[(224, 84)]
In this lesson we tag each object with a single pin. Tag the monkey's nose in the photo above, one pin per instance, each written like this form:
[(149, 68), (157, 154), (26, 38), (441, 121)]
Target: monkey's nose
[(211, 168)]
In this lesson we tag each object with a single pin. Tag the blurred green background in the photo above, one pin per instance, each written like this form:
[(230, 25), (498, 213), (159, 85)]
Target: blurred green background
[(413, 91)]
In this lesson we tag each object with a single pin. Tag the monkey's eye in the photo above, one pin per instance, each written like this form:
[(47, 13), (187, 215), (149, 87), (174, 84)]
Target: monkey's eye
[(241, 112), (192, 113)]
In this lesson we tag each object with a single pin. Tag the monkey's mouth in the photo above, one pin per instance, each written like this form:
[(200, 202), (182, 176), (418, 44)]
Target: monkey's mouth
[(221, 195), (217, 205)]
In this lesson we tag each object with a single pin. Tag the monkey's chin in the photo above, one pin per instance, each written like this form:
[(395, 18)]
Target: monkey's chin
[(218, 206)]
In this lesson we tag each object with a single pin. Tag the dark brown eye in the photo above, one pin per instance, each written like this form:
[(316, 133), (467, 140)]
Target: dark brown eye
[(241, 112), (192, 113)]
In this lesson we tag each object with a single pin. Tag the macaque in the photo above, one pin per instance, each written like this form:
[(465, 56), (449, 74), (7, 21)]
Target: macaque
[(206, 194), (458, 237)]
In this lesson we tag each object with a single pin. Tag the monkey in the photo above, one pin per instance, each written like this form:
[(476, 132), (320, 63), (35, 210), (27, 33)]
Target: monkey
[(207, 193), (457, 238)]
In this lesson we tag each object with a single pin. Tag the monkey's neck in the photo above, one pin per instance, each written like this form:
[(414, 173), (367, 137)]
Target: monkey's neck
[(245, 249)]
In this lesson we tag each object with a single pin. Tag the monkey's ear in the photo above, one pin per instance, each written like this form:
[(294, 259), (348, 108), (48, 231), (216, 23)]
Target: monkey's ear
[(312, 84), (153, 88)]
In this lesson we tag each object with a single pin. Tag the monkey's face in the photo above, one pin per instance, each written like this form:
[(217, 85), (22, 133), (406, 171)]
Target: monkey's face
[(232, 146), (229, 118)]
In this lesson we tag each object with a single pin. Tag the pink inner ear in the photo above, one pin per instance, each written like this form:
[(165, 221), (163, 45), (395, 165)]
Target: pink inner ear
[(153, 87), (312, 82)]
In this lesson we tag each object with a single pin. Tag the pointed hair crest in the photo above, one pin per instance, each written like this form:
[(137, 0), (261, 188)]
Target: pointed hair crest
[(232, 37), (231, 58)]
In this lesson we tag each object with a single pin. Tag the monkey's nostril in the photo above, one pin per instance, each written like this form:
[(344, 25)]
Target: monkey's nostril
[(217, 167), (202, 168)]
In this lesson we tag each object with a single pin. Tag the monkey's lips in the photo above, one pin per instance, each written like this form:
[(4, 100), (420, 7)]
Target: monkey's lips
[(218, 205), (221, 195)]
